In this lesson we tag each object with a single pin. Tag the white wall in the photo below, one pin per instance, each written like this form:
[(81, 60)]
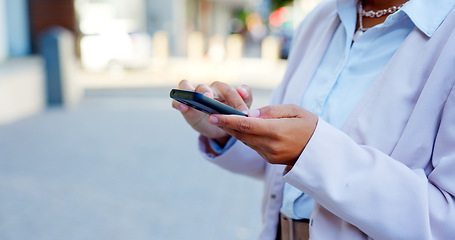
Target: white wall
[(21, 89), (18, 28), (3, 32)]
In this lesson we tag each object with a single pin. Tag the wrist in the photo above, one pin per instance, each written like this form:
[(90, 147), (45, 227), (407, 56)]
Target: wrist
[(222, 141)]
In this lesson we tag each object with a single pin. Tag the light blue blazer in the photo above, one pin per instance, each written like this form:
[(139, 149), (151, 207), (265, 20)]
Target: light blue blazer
[(390, 172)]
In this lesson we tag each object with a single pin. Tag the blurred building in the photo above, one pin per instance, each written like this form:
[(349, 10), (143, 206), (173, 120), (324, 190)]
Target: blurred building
[(181, 17), (14, 29), (126, 34), (22, 21)]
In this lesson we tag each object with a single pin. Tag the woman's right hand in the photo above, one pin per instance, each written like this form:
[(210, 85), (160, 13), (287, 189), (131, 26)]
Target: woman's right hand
[(240, 99)]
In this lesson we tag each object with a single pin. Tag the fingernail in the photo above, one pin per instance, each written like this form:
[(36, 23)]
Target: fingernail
[(244, 91), (255, 113), (213, 119), (208, 94)]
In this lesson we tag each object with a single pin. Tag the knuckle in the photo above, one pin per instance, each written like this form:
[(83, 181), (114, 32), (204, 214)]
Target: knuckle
[(183, 84), (275, 139), (266, 110), (201, 87), (239, 106), (224, 87), (274, 150), (293, 107), (217, 84), (244, 125), (222, 83), (296, 109), (230, 91), (221, 123)]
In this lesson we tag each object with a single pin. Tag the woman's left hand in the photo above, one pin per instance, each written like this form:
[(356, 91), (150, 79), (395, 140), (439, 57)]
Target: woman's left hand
[(278, 133)]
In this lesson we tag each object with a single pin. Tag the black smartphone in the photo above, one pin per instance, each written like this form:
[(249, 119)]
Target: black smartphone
[(203, 103)]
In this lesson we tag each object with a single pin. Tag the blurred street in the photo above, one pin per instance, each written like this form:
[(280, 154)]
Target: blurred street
[(121, 164), (114, 161)]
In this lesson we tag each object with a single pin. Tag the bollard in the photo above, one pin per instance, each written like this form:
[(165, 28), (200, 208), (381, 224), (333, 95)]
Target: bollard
[(58, 51), (195, 46), (270, 49), (234, 47)]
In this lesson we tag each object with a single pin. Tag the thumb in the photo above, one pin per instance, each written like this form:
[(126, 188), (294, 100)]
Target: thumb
[(277, 111)]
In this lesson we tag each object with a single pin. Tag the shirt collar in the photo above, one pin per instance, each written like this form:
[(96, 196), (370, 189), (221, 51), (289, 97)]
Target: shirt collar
[(347, 11), (427, 15)]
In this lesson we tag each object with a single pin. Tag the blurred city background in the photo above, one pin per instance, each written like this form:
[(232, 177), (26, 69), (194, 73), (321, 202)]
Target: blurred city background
[(90, 147)]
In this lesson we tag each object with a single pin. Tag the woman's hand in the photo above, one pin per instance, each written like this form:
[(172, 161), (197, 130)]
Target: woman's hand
[(278, 133), (239, 98)]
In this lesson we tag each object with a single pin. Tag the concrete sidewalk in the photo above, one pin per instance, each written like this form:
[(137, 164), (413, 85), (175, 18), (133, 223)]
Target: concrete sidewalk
[(122, 164)]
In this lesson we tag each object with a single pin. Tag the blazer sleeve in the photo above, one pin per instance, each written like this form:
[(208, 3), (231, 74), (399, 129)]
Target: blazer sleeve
[(242, 159), (239, 158), (381, 196)]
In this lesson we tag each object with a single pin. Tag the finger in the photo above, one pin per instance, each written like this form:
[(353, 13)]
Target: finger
[(186, 85), (179, 106), (240, 124), (204, 89), (277, 111), (245, 92), (230, 95), (183, 85), (262, 144), (183, 108), (251, 140)]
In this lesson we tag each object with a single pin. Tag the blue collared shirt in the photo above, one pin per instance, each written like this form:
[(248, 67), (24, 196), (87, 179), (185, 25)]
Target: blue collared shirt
[(348, 69)]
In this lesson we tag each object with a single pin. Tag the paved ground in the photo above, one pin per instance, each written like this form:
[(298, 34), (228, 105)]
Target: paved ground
[(120, 165)]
